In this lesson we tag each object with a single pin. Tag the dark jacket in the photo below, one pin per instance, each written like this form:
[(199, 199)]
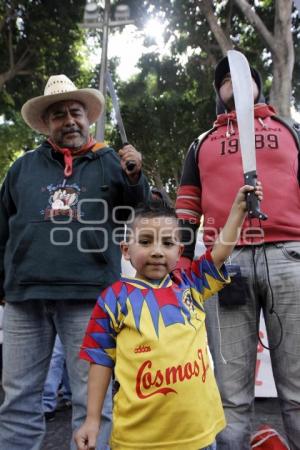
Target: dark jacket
[(59, 238)]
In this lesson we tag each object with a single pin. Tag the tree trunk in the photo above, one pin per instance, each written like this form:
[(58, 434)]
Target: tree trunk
[(280, 44), (283, 58), (223, 40)]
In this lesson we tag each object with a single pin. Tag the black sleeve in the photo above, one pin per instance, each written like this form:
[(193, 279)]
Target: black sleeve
[(138, 193), (190, 174), (189, 237), (7, 208)]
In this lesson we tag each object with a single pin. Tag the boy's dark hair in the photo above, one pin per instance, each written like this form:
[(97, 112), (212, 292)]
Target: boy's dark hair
[(153, 209)]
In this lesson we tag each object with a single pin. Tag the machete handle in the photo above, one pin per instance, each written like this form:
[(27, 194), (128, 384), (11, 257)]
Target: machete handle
[(130, 165), (251, 199)]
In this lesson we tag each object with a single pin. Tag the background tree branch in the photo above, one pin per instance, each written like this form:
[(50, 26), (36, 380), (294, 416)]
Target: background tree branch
[(221, 35)]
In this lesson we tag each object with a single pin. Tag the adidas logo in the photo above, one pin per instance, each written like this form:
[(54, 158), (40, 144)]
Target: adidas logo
[(142, 349)]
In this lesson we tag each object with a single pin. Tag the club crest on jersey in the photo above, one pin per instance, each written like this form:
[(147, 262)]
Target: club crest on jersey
[(188, 300)]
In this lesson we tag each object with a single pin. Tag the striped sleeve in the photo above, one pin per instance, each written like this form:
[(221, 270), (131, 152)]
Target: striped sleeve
[(188, 201), (205, 277), (99, 343)]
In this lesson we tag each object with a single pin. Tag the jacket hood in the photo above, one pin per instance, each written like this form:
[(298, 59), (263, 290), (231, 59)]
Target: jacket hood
[(221, 70)]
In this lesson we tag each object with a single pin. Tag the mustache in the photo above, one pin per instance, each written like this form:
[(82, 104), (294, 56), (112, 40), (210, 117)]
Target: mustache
[(71, 130)]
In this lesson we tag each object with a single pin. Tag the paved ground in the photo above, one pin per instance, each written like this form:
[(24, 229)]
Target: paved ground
[(59, 431)]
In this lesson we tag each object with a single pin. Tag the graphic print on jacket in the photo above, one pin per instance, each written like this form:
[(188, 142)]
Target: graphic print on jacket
[(62, 201)]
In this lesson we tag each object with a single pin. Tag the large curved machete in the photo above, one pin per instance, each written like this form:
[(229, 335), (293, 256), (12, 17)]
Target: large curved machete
[(242, 85), (115, 102)]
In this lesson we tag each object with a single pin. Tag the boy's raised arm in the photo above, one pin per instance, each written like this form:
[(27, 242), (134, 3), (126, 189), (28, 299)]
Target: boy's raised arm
[(99, 378), (229, 235)]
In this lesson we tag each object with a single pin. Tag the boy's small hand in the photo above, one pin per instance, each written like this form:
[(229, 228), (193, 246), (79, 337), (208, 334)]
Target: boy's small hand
[(86, 436), (240, 200)]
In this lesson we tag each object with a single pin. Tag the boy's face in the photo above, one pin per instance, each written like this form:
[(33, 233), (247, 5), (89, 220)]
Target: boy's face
[(154, 247)]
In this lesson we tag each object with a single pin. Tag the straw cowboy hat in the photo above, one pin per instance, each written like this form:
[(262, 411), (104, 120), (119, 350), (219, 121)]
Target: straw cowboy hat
[(60, 88)]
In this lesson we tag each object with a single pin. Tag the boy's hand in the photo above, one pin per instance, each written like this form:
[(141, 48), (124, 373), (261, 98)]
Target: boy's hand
[(86, 436), (240, 201)]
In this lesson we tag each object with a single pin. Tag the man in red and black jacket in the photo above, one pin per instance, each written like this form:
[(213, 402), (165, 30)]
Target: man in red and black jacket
[(265, 264)]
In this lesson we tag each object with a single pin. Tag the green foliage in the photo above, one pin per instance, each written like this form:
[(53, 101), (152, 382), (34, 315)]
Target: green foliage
[(161, 110), (38, 38), (15, 137), (165, 107), (45, 36), (172, 101)]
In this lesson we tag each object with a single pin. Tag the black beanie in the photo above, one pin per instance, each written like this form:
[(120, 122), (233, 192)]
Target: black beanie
[(222, 69)]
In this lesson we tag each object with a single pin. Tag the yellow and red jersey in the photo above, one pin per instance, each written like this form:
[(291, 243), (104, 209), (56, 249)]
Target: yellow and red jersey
[(154, 337)]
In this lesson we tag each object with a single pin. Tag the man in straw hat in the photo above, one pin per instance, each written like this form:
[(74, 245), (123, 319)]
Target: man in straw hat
[(61, 207)]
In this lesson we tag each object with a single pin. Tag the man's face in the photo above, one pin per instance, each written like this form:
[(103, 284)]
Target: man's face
[(226, 92), (68, 124)]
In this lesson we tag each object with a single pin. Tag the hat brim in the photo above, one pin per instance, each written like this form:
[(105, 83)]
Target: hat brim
[(32, 111)]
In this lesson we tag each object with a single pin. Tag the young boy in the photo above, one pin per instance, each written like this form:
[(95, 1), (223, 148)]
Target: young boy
[(150, 330)]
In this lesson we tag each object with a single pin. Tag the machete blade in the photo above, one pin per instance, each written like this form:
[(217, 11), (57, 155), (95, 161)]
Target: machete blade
[(242, 85), (111, 89)]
